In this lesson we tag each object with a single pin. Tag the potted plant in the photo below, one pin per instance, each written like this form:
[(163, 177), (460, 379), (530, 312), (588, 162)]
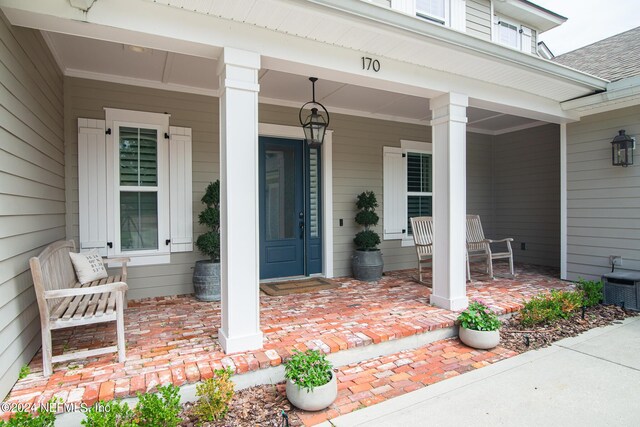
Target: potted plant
[(367, 262), (206, 274), (311, 383), (479, 326)]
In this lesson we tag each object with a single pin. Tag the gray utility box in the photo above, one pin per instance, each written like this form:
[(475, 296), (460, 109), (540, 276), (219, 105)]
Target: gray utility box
[(622, 288)]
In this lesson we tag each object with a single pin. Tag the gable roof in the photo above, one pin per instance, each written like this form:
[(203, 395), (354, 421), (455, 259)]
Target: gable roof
[(613, 58)]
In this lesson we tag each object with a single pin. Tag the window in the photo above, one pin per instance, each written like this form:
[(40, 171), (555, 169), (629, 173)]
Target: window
[(419, 186), (135, 180), (508, 34), (434, 10), (513, 34), (407, 187)]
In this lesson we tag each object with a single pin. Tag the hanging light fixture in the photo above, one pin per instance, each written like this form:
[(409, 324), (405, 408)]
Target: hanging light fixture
[(622, 148), (315, 124)]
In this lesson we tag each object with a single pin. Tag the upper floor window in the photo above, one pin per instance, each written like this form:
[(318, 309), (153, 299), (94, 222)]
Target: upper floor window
[(513, 34), (434, 10)]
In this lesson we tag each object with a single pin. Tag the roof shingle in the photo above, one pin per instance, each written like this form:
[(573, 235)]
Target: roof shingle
[(613, 58)]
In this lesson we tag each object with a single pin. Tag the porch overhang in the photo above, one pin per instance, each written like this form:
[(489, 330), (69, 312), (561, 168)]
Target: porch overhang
[(419, 58)]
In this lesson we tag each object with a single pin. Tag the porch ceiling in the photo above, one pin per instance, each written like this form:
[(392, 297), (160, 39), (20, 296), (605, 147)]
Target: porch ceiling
[(122, 63)]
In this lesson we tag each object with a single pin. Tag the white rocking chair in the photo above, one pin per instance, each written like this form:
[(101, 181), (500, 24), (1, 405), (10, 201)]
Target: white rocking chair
[(478, 247)]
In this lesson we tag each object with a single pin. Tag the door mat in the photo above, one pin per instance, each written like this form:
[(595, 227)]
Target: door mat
[(314, 284)]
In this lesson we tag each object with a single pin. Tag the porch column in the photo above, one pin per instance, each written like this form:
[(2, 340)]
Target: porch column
[(449, 135), (239, 244)]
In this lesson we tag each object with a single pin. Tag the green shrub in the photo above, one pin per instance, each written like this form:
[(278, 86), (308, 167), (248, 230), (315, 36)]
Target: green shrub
[(309, 369), (161, 409), (547, 308), (45, 417), (209, 243), (214, 396), (479, 318), (592, 291), (109, 414), (367, 239), (24, 371)]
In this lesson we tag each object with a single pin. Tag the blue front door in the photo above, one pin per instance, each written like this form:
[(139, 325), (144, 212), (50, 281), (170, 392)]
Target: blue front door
[(290, 235)]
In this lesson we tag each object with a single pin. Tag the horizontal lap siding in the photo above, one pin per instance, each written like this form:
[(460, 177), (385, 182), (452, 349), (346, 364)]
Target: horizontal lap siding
[(32, 186), (87, 98), (526, 189), (603, 201), (479, 18), (357, 167)]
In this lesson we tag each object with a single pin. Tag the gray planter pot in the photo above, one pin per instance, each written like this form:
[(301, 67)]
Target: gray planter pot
[(316, 399), (481, 340), (367, 265), (206, 280)]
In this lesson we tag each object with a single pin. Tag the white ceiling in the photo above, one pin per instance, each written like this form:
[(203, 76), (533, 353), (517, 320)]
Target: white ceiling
[(97, 59)]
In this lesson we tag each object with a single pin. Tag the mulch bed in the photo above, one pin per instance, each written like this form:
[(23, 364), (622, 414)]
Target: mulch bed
[(518, 338), (261, 405)]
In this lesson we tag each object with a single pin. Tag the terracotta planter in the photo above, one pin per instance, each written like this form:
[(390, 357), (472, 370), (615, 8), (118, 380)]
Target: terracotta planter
[(316, 399), (482, 340)]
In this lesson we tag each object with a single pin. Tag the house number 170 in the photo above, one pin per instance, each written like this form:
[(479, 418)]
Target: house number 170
[(370, 64)]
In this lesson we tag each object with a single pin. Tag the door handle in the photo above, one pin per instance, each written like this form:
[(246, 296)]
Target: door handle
[(301, 224)]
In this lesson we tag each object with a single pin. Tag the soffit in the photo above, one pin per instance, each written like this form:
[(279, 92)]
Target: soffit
[(373, 34)]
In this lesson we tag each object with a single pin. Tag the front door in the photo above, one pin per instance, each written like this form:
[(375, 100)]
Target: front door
[(290, 241)]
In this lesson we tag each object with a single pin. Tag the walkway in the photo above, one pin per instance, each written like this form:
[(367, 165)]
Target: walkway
[(589, 380)]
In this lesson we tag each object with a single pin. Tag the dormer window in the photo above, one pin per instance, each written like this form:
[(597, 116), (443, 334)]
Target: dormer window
[(513, 34), (508, 34), (433, 10)]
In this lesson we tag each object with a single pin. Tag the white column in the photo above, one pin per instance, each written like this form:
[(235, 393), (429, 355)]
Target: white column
[(449, 133), (563, 201), (239, 241)]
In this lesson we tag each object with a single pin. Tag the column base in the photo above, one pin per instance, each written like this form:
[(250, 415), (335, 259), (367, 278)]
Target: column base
[(454, 304), (241, 343)]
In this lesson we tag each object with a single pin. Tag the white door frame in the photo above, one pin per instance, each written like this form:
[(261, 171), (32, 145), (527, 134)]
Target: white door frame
[(295, 132)]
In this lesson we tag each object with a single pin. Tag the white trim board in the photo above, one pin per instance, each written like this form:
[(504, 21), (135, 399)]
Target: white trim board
[(295, 132)]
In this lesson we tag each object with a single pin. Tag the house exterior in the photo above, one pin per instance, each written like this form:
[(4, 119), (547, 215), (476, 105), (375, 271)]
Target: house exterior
[(118, 113)]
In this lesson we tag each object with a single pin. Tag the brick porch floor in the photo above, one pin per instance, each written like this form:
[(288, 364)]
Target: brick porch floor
[(174, 339)]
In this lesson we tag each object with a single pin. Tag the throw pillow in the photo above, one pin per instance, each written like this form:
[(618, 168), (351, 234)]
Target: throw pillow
[(88, 266)]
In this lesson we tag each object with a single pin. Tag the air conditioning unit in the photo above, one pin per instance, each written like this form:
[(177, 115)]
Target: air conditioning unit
[(623, 289)]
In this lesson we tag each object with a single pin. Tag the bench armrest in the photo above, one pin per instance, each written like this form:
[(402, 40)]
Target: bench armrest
[(123, 260), (100, 289)]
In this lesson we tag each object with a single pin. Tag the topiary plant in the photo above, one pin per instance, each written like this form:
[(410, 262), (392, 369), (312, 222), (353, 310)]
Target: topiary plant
[(367, 239), (209, 243)]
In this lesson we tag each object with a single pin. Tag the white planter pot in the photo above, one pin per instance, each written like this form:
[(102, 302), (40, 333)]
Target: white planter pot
[(479, 339), (316, 399)]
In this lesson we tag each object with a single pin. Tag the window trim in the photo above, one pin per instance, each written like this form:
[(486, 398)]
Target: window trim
[(414, 147), (114, 119)]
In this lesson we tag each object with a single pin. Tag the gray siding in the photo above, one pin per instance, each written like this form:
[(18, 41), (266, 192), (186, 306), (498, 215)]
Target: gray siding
[(526, 191), (87, 98), (31, 186), (603, 201), (479, 18)]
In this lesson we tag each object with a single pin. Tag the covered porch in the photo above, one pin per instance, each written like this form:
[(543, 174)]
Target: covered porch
[(174, 339)]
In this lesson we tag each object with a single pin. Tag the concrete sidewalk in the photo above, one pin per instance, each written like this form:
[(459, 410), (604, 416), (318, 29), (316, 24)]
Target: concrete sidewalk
[(592, 379)]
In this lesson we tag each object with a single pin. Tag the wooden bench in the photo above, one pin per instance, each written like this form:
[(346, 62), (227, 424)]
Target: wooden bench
[(64, 302)]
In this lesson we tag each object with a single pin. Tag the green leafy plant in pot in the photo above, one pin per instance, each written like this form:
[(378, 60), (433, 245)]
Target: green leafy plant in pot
[(311, 383), (479, 326), (367, 261), (206, 274)]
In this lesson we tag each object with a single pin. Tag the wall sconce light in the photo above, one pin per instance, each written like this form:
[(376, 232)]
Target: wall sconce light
[(622, 148), (316, 123)]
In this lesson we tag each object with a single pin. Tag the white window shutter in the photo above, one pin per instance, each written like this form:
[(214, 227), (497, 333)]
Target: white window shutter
[(180, 189), (92, 185), (394, 166), (525, 39)]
